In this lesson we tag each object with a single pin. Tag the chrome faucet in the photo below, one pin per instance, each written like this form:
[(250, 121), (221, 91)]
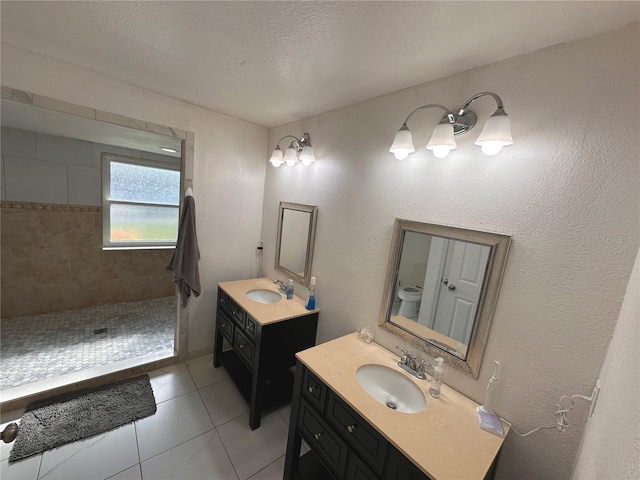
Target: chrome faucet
[(408, 363), (282, 287)]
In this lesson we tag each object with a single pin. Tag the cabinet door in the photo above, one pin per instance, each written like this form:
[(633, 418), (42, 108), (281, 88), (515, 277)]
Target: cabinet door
[(400, 468), (358, 432), (323, 440), (357, 469)]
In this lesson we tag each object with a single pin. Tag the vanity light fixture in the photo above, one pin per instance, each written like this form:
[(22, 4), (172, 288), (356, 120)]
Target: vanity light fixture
[(299, 149), (495, 135), (167, 149)]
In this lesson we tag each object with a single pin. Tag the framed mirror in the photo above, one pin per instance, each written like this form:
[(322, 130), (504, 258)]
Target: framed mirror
[(296, 237), (441, 289)]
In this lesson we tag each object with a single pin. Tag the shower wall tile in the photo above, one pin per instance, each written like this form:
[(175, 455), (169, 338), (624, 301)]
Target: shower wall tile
[(91, 263), (40, 266), (18, 143), (68, 296), (64, 150), (23, 300), (20, 227), (84, 185), (52, 259), (66, 228), (132, 263), (35, 180), (134, 288)]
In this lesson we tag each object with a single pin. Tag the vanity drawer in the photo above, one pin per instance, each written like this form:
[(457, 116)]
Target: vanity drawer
[(226, 326), (322, 439), (361, 436), (251, 327), (357, 469), (237, 314), (223, 301), (400, 467), (243, 347), (314, 390)]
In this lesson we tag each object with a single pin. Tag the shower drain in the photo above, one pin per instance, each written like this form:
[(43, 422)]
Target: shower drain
[(392, 405)]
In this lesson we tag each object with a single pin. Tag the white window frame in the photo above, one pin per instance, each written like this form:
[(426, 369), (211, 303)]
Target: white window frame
[(107, 158)]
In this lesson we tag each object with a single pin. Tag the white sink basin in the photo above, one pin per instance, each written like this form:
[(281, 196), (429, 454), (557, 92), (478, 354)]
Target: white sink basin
[(264, 296), (391, 388)]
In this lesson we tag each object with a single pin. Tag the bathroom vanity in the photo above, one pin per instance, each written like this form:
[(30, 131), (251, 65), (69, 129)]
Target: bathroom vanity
[(264, 339), (353, 436)]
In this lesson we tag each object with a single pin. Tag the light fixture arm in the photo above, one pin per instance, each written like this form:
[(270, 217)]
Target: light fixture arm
[(297, 143), (449, 114), (498, 100)]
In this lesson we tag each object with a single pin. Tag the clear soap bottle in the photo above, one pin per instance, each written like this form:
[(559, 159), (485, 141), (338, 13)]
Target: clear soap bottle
[(437, 378), (289, 290), (311, 298)]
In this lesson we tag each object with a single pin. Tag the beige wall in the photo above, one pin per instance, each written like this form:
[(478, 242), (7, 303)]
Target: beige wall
[(611, 443), (52, 259), (229, 167), (568, 192)]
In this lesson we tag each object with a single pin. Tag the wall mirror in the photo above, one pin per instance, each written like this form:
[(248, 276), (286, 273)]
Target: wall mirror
[(296, 237), (441, 289)]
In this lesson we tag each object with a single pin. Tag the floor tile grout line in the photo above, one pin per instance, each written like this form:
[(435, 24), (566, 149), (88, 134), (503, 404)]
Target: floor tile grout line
[(265, 467), (176, 446)]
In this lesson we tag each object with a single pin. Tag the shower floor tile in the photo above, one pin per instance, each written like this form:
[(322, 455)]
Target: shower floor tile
[(39, 347)]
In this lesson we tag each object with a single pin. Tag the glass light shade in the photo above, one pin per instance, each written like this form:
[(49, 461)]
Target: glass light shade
[(495, 134), (291, 156), (442, 140), (306, 156), (402, 144), (276, 157)]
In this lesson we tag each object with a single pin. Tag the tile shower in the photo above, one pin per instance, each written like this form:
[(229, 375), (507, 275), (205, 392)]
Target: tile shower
[(60, 291)]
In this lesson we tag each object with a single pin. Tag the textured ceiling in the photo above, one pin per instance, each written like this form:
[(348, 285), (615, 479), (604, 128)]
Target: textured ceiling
[(275, 62)]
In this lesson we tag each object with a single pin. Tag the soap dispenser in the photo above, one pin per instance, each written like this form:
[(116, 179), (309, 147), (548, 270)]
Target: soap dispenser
[(437, 378), (311, 297), (289, 289)]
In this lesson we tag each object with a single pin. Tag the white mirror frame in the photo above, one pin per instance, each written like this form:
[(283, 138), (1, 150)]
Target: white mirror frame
[(495, 269)]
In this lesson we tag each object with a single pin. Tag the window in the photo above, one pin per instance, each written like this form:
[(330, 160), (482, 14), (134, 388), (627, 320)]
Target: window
[(140, 202)]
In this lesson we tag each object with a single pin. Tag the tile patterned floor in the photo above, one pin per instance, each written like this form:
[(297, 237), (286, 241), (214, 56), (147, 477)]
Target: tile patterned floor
[(38, 347), (196, 434)]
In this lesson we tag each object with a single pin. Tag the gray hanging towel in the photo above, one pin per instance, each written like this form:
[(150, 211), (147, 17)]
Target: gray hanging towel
[(184, 262)]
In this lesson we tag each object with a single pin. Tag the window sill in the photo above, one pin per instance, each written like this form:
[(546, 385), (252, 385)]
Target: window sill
[(146, 247)]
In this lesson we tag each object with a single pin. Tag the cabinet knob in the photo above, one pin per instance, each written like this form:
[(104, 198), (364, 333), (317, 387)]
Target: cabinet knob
[(317, 436), (223, 325), (242, 345), (311, 389), (351, 428)]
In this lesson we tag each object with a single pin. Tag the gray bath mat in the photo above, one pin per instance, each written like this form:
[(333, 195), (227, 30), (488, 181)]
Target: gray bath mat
[(59, 420)]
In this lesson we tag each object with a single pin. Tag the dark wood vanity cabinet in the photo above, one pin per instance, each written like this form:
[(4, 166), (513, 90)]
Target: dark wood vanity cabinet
[(343, 444), (261, 356)]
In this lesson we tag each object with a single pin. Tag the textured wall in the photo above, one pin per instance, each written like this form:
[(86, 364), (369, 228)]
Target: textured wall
[(52, 260), (612, 438), (229, 166), (568, 192)]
